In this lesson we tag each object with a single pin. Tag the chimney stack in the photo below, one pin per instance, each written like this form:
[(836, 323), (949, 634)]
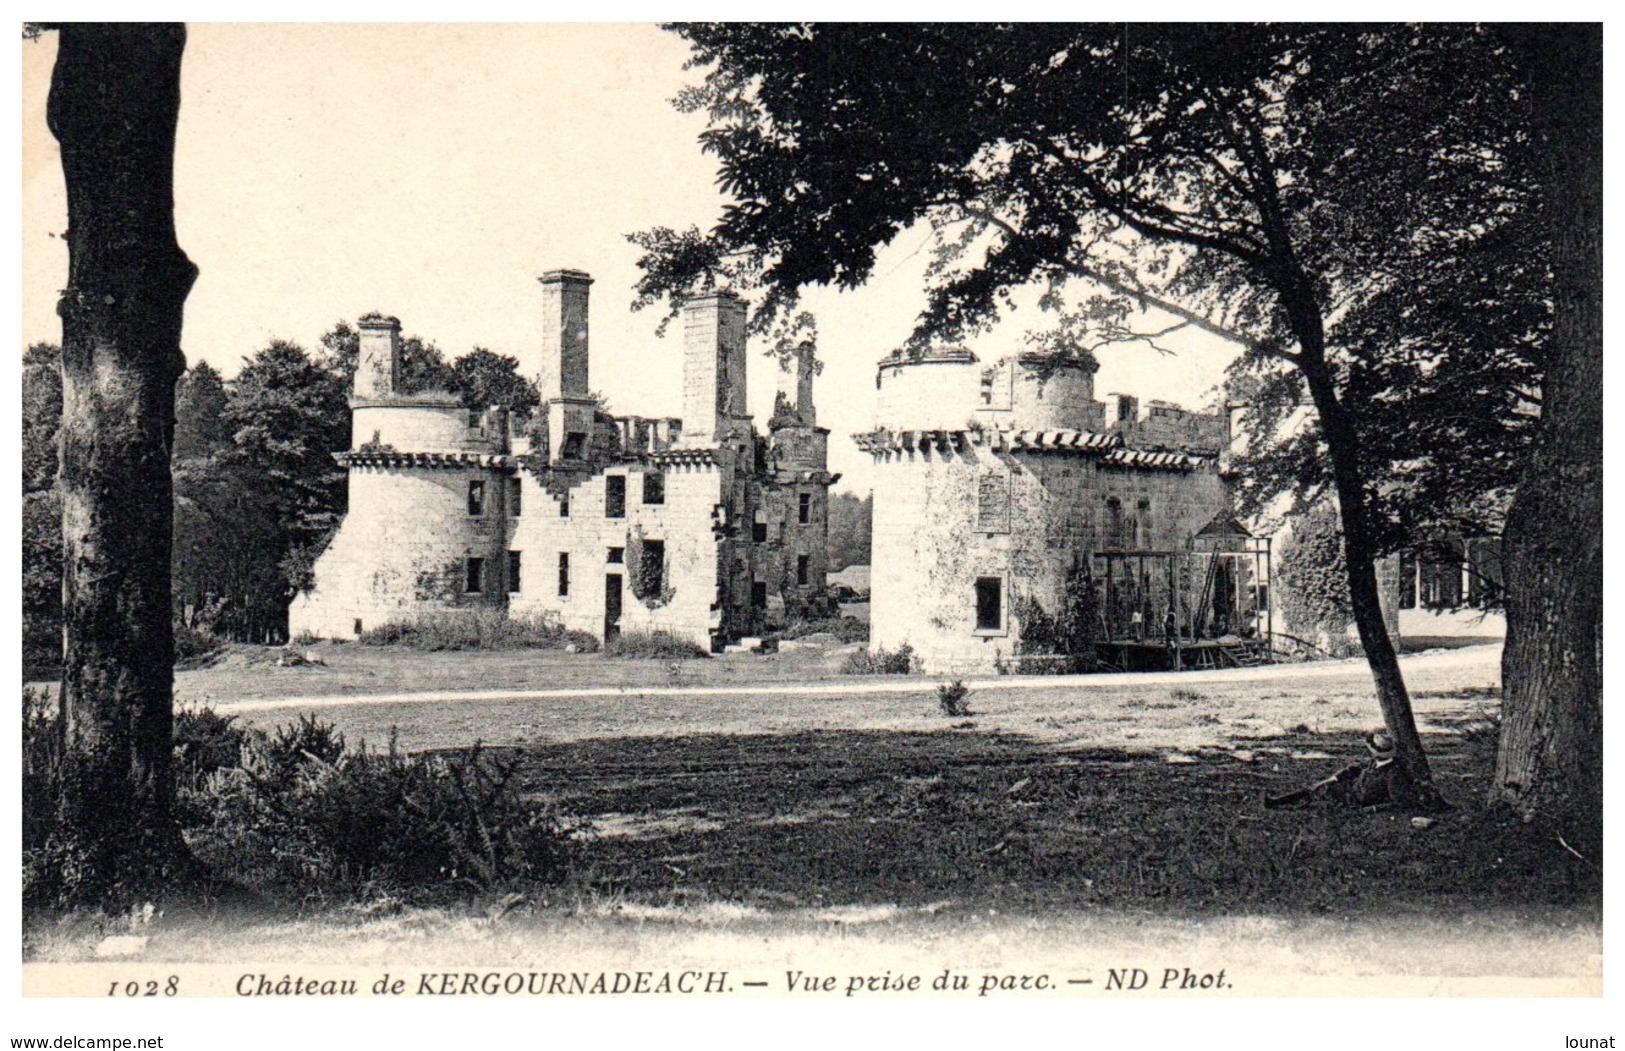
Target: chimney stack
[(378, 364), (805, 368), (564, 383), (713, 367), (564, 334)]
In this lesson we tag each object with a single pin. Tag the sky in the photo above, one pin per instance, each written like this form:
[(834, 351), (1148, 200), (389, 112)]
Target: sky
[(434, 172)]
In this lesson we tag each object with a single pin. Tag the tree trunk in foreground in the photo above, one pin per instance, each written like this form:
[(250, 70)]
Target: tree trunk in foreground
[(1549, 763), (114, 104)]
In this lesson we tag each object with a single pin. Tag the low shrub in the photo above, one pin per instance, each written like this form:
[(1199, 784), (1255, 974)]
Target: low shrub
[(952, 698), (881, 662), (205, 741), (56, 867), (195, 647), (305, 814), (845, 629), (477, 630), (660, 645)]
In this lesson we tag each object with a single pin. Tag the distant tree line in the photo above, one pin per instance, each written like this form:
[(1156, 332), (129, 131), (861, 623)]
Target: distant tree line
[(851, 519), (257, 492)]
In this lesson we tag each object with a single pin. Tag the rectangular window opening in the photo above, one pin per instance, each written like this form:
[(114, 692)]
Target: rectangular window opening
[(564, 506), (476, 496), (575, 446), (804, 508), (617, 555), (654, 488), (513, 572), (758, 532), (615, 496), (758, 594), (989, 604), (803, 570), (564, 574), (474, 576), (515, 500)]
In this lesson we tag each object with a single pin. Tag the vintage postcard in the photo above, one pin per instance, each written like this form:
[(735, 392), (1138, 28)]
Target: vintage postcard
[(1042, 516)]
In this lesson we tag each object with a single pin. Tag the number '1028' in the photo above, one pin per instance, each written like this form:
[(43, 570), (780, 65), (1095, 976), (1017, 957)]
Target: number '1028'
[(150, 987)]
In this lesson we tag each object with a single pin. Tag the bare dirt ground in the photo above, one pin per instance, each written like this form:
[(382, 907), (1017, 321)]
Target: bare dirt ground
[(762, 811)]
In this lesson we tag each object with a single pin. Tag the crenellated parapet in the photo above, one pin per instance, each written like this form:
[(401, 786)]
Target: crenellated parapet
[(1108, 449)]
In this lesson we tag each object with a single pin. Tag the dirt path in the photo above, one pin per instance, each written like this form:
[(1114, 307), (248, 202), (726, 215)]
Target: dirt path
[(1476, 666)]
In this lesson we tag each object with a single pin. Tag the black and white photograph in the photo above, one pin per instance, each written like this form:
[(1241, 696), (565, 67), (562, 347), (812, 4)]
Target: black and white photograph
[(1088, 521)]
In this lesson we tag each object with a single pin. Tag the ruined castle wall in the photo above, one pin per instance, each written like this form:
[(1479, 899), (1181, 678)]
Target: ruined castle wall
[(1018, 394), (418, 427), (686, 606), (931, 393), (1166, 426), (1025, 520), (403, 549)]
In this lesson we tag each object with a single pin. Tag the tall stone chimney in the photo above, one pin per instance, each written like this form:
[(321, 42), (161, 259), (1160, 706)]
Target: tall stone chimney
[(564, 333), (713, 367), (805, 369), (564, 379), (378, 365)]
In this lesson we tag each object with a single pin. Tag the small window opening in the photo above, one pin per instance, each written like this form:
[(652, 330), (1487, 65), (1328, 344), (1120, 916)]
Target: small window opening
[(989, 604), (474, 576), (476, 497)]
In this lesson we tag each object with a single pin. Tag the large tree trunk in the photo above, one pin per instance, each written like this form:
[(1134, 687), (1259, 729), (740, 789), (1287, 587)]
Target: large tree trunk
[(114, 104), (1550, 758)]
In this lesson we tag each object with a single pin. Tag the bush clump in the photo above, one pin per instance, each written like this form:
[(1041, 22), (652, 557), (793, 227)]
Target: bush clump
[(56, 868), (661, 645), (195, 647), (303, 813), (477, 630), (881, 662), (845, 629), (952, 698)]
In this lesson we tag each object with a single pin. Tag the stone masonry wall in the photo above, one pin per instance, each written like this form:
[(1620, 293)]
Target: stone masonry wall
[(933, 539), (687, 608), (403, 550)]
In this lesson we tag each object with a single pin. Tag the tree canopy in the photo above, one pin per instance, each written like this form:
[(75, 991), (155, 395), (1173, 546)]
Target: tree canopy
[(1296, 189)]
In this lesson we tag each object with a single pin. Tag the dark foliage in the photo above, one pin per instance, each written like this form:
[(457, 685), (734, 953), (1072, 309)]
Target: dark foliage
[(658, 645), (851, 521), (954, 699), (881, 662), (845, 629), (477, 630), (303, 815)]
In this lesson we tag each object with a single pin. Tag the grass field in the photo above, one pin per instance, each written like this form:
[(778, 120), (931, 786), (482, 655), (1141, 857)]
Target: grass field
[(805, 808)]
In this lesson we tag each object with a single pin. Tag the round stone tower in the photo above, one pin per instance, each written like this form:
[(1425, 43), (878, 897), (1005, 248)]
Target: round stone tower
[(429, 492), (994, 487)]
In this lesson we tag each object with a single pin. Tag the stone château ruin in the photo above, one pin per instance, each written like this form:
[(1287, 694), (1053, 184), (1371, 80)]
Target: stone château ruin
[(702, 527), (1017, 520)]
